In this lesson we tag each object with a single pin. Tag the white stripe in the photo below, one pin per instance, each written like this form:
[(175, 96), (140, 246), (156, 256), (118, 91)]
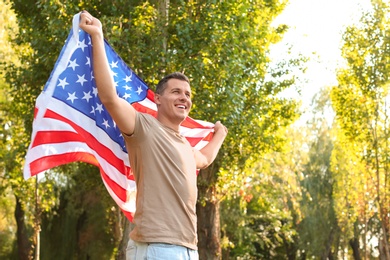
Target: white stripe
[(73, 147), (89, 125), (148, 103)]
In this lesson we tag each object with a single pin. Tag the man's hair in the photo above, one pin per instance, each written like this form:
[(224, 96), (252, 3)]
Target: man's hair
[(162, 84)]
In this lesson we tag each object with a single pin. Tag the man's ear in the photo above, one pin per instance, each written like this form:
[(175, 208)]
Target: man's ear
[(157, 99)]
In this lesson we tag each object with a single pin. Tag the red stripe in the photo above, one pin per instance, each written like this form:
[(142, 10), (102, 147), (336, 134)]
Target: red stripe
[(115, 187), (195, 140), (93, 143), (35, 112), (47, 137), (47, 162), (128, 215), (191, 123), (150, 95)]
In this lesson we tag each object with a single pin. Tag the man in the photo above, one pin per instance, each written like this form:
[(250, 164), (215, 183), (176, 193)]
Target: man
[(163, 162)]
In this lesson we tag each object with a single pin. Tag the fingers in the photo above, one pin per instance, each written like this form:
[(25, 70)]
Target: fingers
[(219, 126), (86, 18)]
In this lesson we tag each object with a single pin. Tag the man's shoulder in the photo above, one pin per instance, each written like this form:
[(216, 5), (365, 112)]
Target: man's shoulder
[(146, 119), (146, 116)]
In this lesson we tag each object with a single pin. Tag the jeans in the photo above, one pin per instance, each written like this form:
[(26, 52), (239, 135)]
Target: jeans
[(159, 251)]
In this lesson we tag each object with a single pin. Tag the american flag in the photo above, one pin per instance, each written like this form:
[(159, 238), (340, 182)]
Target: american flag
[(71, 124)]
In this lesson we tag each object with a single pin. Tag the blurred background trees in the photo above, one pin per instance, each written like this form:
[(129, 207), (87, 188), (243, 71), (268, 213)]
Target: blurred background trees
[(277, 190)]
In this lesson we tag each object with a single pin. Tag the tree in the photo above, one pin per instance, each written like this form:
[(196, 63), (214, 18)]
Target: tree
[(317, 204), (268, 210), (360, 160)]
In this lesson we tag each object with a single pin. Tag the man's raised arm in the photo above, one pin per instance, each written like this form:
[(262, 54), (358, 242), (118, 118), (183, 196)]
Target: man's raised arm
[(207, 154), (120, 110)]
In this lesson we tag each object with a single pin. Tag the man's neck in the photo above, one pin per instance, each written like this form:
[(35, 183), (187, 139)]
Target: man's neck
[(168, 123)]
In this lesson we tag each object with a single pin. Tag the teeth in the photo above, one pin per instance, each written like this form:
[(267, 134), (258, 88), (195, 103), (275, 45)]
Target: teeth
[(181, 106)]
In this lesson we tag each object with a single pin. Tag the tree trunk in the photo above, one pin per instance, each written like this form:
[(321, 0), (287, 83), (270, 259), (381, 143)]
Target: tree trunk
[(21, 233), (207, 209), (128, 226), (209, 231), (354, 243), (328, 248)]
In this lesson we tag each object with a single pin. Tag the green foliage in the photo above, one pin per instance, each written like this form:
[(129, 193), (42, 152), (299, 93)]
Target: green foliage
[(85, 219), (7, 224), (269, 211), (317, 204), (360, 158)]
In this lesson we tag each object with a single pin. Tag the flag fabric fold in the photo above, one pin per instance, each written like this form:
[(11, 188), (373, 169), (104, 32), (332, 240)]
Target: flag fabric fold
[(71, 124)]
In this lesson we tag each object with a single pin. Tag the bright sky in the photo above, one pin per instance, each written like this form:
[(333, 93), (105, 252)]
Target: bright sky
[(315, 31)]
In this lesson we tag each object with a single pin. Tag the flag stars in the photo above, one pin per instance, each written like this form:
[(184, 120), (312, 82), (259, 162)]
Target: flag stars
[(114, 64), (127, 88), (82, 45), (92, 111), (126, 96), (81, 79), (88, 61), (73, 64), (63, 83), (72, 97), (95, 91), (87, 96), (105, 123), (139, 90), (99, 107), (129, 78), (114, 74)]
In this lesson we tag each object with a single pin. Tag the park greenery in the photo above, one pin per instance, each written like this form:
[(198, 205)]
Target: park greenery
[(277, 190)]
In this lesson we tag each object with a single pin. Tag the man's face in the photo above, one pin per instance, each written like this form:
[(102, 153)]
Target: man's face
[(175, 101)]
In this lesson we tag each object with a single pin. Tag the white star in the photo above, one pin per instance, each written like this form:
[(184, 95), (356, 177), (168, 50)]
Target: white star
[(139, 91), (129, 78), (82, 45), (114, 74), (105, 123), (87, 96), (93, 110), (126, 96), (88, 62), (127, 87), (92, 77), (95, 92), (72, 96), (73, 64), (81, 79), (63, 83), (99, 107), (114, 64)]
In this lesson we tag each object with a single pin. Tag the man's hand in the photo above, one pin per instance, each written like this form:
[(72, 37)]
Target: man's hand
[(207, 154), (219, 128), (90, 24)]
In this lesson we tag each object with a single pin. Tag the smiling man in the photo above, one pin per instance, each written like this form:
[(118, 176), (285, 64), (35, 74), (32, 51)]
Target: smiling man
[(163, 162)]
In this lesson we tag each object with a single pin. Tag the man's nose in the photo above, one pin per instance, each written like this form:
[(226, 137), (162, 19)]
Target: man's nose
[(183, 96)]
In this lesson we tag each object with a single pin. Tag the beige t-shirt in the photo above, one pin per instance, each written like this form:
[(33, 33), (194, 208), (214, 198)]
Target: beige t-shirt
[(164, 168)]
